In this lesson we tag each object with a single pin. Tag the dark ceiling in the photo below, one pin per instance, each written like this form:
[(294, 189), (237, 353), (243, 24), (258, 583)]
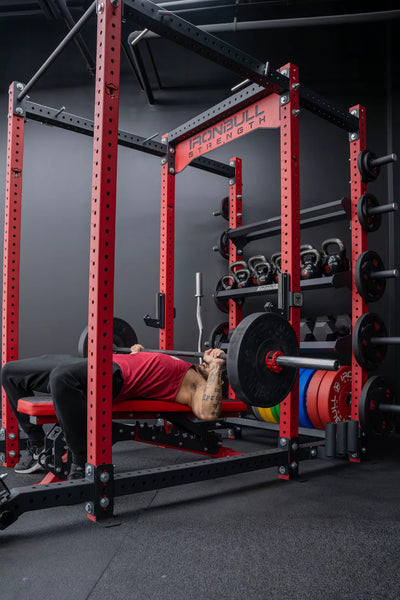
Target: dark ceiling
[(274, 30)]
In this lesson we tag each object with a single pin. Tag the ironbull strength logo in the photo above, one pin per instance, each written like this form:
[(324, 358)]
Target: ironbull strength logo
[(229, 129)]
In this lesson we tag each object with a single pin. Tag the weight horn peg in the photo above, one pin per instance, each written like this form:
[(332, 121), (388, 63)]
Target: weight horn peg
[(369, 212), (370, 276), (370, 165), (370, 341), (376, 407)]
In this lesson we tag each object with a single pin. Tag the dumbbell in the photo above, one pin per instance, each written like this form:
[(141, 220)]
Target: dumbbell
[(306, 329), (324, 329), (343, 325)]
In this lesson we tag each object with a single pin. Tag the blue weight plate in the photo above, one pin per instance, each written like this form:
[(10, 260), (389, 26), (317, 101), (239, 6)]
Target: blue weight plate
[(304, 380)]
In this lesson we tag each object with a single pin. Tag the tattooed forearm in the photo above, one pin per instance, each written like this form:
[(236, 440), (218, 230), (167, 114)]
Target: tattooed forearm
[(212, 397)]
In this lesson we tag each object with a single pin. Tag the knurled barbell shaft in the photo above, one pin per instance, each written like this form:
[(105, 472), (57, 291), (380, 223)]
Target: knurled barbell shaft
[(298, 362), (388, 274), (384, 208), (385, 340), (383, 160)]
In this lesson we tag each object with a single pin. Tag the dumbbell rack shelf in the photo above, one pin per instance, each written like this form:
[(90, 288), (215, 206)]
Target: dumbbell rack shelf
[(330, 212), (338, 280)]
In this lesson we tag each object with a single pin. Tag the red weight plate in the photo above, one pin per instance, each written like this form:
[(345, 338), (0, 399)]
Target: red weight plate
[(312, 399), (334, 396)]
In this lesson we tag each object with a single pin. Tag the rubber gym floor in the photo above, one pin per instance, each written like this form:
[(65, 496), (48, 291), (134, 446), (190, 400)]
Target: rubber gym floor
[(332, 534)]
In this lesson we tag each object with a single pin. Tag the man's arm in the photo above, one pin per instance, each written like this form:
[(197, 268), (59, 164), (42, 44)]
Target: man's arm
[(207, 397)]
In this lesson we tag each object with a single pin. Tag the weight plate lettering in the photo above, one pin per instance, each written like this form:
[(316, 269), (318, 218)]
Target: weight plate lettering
[(334, 396)]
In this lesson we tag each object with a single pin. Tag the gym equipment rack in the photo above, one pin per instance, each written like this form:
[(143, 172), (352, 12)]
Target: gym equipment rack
[(273, 100)]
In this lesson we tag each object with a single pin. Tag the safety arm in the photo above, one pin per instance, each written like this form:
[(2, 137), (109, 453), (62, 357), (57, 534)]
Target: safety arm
[(207, 400)]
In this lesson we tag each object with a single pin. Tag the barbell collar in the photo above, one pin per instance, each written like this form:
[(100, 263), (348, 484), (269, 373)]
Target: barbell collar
[(388, 274), (385, 340), (384, 208), (304, 362), (383, 160)]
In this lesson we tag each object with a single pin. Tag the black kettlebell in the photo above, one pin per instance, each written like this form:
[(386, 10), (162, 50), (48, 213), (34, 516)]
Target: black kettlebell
[(260, 269), (240, 273), (228, 282), (276, 266), (333, 260), (310, 264)]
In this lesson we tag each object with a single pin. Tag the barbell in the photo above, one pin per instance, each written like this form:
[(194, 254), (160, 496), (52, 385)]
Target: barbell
[(262, 358)]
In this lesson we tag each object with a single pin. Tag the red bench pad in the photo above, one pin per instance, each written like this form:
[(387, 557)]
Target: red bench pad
[(43, 407)]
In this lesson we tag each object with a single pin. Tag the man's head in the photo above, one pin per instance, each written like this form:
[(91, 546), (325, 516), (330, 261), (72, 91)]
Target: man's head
[(203, 370)]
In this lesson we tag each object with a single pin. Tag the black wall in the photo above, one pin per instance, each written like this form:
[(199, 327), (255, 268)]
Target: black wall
[(348, 64)]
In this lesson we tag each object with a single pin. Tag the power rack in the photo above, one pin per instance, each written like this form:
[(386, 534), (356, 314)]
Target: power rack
[(273, 100)]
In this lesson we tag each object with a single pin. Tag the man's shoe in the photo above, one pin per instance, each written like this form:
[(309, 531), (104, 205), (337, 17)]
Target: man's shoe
[(29, 462), (76, 472)]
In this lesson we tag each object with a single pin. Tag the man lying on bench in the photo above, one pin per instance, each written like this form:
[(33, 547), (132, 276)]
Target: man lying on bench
[(144, 375)]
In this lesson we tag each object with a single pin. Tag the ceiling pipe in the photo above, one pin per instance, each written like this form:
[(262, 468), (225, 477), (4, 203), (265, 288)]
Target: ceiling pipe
[(295, 22)]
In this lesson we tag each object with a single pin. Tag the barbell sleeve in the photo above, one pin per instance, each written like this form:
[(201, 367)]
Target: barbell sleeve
[(304, 362)]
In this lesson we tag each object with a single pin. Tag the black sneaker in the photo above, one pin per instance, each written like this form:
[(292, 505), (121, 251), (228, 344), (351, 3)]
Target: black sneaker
[(76, 472), (29, 462)]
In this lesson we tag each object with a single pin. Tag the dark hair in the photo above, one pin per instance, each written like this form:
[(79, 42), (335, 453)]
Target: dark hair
[(201, 372)]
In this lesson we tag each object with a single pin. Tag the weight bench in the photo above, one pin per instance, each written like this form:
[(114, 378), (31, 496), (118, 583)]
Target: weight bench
[(180, 429)]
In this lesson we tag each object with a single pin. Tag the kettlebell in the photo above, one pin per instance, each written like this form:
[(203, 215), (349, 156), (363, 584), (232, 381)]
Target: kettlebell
[(240, 273), (228, 282), (334, 261), (310, 264), (275, 268), (260, 270)]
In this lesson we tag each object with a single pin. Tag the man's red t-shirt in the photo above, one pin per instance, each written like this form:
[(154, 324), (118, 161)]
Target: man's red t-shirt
[(150, 375)]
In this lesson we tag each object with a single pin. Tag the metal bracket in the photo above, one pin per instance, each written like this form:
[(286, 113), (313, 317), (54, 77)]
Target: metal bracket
[(102, 477), (171, 160), (292, 446), (296, 299), (287, 298), (18, 105), (354, 135), (285, 97), (159, 321)]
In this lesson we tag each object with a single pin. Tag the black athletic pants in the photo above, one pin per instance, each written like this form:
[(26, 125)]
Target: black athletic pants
[(65, 378)]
